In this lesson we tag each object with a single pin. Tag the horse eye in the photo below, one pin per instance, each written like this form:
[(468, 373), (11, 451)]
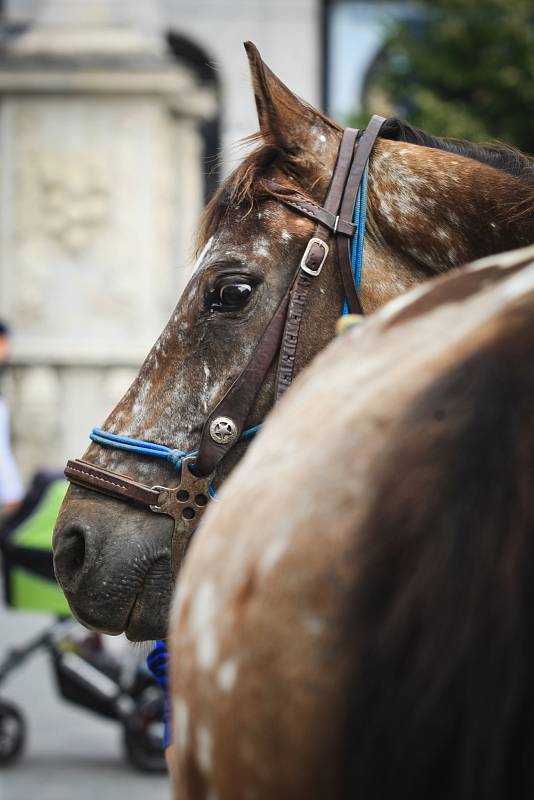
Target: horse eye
[(230, 297), (235, 294)]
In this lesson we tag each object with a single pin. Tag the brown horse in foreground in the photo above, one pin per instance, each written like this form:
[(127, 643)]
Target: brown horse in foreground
[(355, 618), (433, 204)]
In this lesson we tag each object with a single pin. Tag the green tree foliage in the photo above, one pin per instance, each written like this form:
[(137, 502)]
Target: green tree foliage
[(465, 68)]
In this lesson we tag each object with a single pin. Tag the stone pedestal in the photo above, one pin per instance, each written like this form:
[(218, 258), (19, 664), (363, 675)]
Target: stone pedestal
[(100, 192)]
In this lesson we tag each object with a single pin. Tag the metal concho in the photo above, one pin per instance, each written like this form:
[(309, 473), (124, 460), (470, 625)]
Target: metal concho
[(223, 430)]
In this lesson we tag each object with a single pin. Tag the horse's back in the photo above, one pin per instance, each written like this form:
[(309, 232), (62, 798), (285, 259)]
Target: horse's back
[(354, 617)]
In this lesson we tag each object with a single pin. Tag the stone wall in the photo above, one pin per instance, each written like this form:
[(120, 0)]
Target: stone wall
[(100, 193)]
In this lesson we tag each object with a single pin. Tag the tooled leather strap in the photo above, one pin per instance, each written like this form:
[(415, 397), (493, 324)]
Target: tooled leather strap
[(312, 263), (113, 484), (363, 151), (240, 397)]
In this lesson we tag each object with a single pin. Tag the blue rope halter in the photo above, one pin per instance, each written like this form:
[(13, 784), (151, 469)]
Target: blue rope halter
[(356, 244), (172, 455), (175, 456)]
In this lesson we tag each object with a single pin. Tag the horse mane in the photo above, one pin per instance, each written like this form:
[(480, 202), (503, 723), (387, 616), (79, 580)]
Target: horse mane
[(245, 187), (494, 154)]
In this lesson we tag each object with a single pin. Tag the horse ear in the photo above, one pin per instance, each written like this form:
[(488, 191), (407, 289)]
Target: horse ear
[(284, 118)]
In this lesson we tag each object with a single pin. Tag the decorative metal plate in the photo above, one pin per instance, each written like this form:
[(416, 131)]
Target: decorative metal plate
[(223, 430), (186, 504)]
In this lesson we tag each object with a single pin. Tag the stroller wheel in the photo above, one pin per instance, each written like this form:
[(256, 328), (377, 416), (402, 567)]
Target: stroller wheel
[(12, 733), (143, 732)]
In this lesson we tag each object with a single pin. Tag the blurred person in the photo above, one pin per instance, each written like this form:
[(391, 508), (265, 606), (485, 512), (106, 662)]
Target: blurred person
[(11, 489)]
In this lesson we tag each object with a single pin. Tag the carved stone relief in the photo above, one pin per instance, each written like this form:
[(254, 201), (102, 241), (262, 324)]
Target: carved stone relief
[(74, 197)]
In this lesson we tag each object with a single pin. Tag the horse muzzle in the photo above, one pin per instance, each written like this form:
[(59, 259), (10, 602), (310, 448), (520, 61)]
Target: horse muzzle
[(114, 564)]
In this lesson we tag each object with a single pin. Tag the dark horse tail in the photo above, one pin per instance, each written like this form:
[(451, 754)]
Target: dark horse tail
[(442, 614)]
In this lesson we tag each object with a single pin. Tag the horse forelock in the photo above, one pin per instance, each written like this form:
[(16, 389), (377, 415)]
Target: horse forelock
[(243, 187)]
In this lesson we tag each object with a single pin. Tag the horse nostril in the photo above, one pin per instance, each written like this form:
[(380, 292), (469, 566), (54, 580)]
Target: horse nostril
[(70, 555)]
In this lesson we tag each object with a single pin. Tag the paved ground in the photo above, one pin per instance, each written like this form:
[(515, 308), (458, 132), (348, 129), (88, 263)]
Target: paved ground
[(70, 755)]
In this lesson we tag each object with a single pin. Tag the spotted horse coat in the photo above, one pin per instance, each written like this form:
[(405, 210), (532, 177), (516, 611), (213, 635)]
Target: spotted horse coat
[(355, 617)]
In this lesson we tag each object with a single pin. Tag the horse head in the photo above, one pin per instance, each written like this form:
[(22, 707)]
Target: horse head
[(428, 210)]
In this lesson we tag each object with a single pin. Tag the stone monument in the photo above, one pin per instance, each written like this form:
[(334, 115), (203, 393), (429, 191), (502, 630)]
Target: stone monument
[(100, 192)]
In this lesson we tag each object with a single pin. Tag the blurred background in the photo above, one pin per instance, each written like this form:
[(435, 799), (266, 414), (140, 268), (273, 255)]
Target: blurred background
[(113, 116), (118, 118)]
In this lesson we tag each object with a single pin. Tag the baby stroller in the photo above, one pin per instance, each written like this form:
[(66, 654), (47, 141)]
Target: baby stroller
[(86, 674)]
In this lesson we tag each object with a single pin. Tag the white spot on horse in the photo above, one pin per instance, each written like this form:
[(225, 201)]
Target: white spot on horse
[(182, 724), (204, 748), (272, 554), (205, 390), (518, 285), (313, 624), (179, 597), (203, 254), (286, 236), (226, 675), (261, 248), (322, 138), (386, 210), (378, 158), (207, 648), (204, 606), (201, 619)]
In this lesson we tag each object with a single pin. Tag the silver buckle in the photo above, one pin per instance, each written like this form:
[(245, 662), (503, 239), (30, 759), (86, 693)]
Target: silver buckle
[(304, 266)]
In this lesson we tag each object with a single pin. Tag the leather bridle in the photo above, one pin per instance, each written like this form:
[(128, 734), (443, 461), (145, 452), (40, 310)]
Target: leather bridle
[(225, 424)]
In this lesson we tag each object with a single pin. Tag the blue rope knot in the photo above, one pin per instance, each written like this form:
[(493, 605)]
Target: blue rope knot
[(176, 457)]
